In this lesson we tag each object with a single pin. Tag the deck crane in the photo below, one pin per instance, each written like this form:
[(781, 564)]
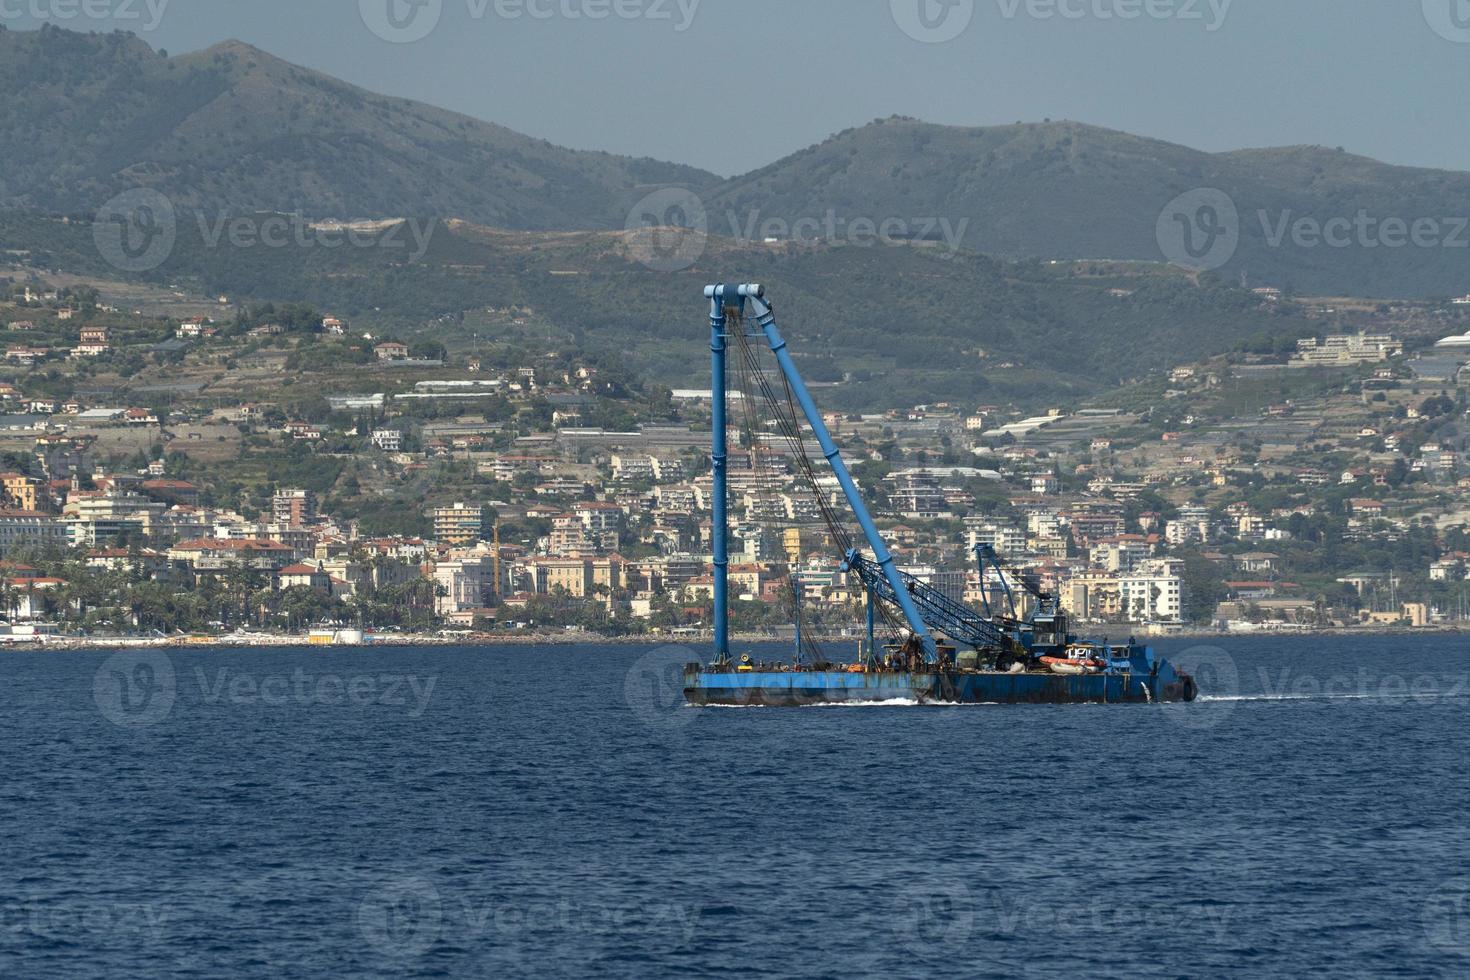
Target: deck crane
[(926, 611), (1045, 626), (1009, 661), (732, 302)]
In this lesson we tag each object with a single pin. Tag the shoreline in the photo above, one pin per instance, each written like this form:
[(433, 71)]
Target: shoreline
[(491, 640)]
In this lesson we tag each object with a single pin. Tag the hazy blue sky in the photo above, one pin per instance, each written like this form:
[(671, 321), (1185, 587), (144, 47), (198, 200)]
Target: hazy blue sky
[(733, 84)]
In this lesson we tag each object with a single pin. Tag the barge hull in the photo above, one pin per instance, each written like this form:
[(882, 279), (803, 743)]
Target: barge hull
[(802, 688)]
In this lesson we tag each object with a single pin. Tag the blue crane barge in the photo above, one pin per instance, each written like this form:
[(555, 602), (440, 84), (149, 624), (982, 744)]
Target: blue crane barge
[(940, 651)]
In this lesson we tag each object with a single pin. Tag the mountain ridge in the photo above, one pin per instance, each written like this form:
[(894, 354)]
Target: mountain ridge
[(235, 128)]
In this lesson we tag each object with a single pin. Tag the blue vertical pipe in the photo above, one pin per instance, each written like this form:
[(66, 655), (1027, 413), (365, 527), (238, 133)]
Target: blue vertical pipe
[(881, 555), (719, 456)]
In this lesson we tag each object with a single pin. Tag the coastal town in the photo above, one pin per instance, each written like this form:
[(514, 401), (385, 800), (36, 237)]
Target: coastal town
[(282, 470)]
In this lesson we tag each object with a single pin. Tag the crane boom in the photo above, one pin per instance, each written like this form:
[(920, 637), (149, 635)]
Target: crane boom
[(943, 615), (754, 296)]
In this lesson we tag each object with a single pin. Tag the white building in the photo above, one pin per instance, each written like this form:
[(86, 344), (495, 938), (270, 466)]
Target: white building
[(1153, 594), (26, 528), (466, 583), (1006, 540)]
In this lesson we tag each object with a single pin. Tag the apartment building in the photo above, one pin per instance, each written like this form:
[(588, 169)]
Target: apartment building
[(294, 508), (461, 523)]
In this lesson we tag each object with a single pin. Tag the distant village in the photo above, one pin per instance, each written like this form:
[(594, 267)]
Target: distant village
[(1319, 487)]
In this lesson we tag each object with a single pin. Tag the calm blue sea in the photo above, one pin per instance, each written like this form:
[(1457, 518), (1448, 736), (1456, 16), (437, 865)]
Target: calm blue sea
[(555, 812)]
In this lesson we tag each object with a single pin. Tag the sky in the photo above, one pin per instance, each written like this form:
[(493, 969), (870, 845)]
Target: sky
[(732, 85)]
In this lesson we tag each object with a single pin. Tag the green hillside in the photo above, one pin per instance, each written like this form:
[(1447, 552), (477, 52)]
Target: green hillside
[(903, 318)]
